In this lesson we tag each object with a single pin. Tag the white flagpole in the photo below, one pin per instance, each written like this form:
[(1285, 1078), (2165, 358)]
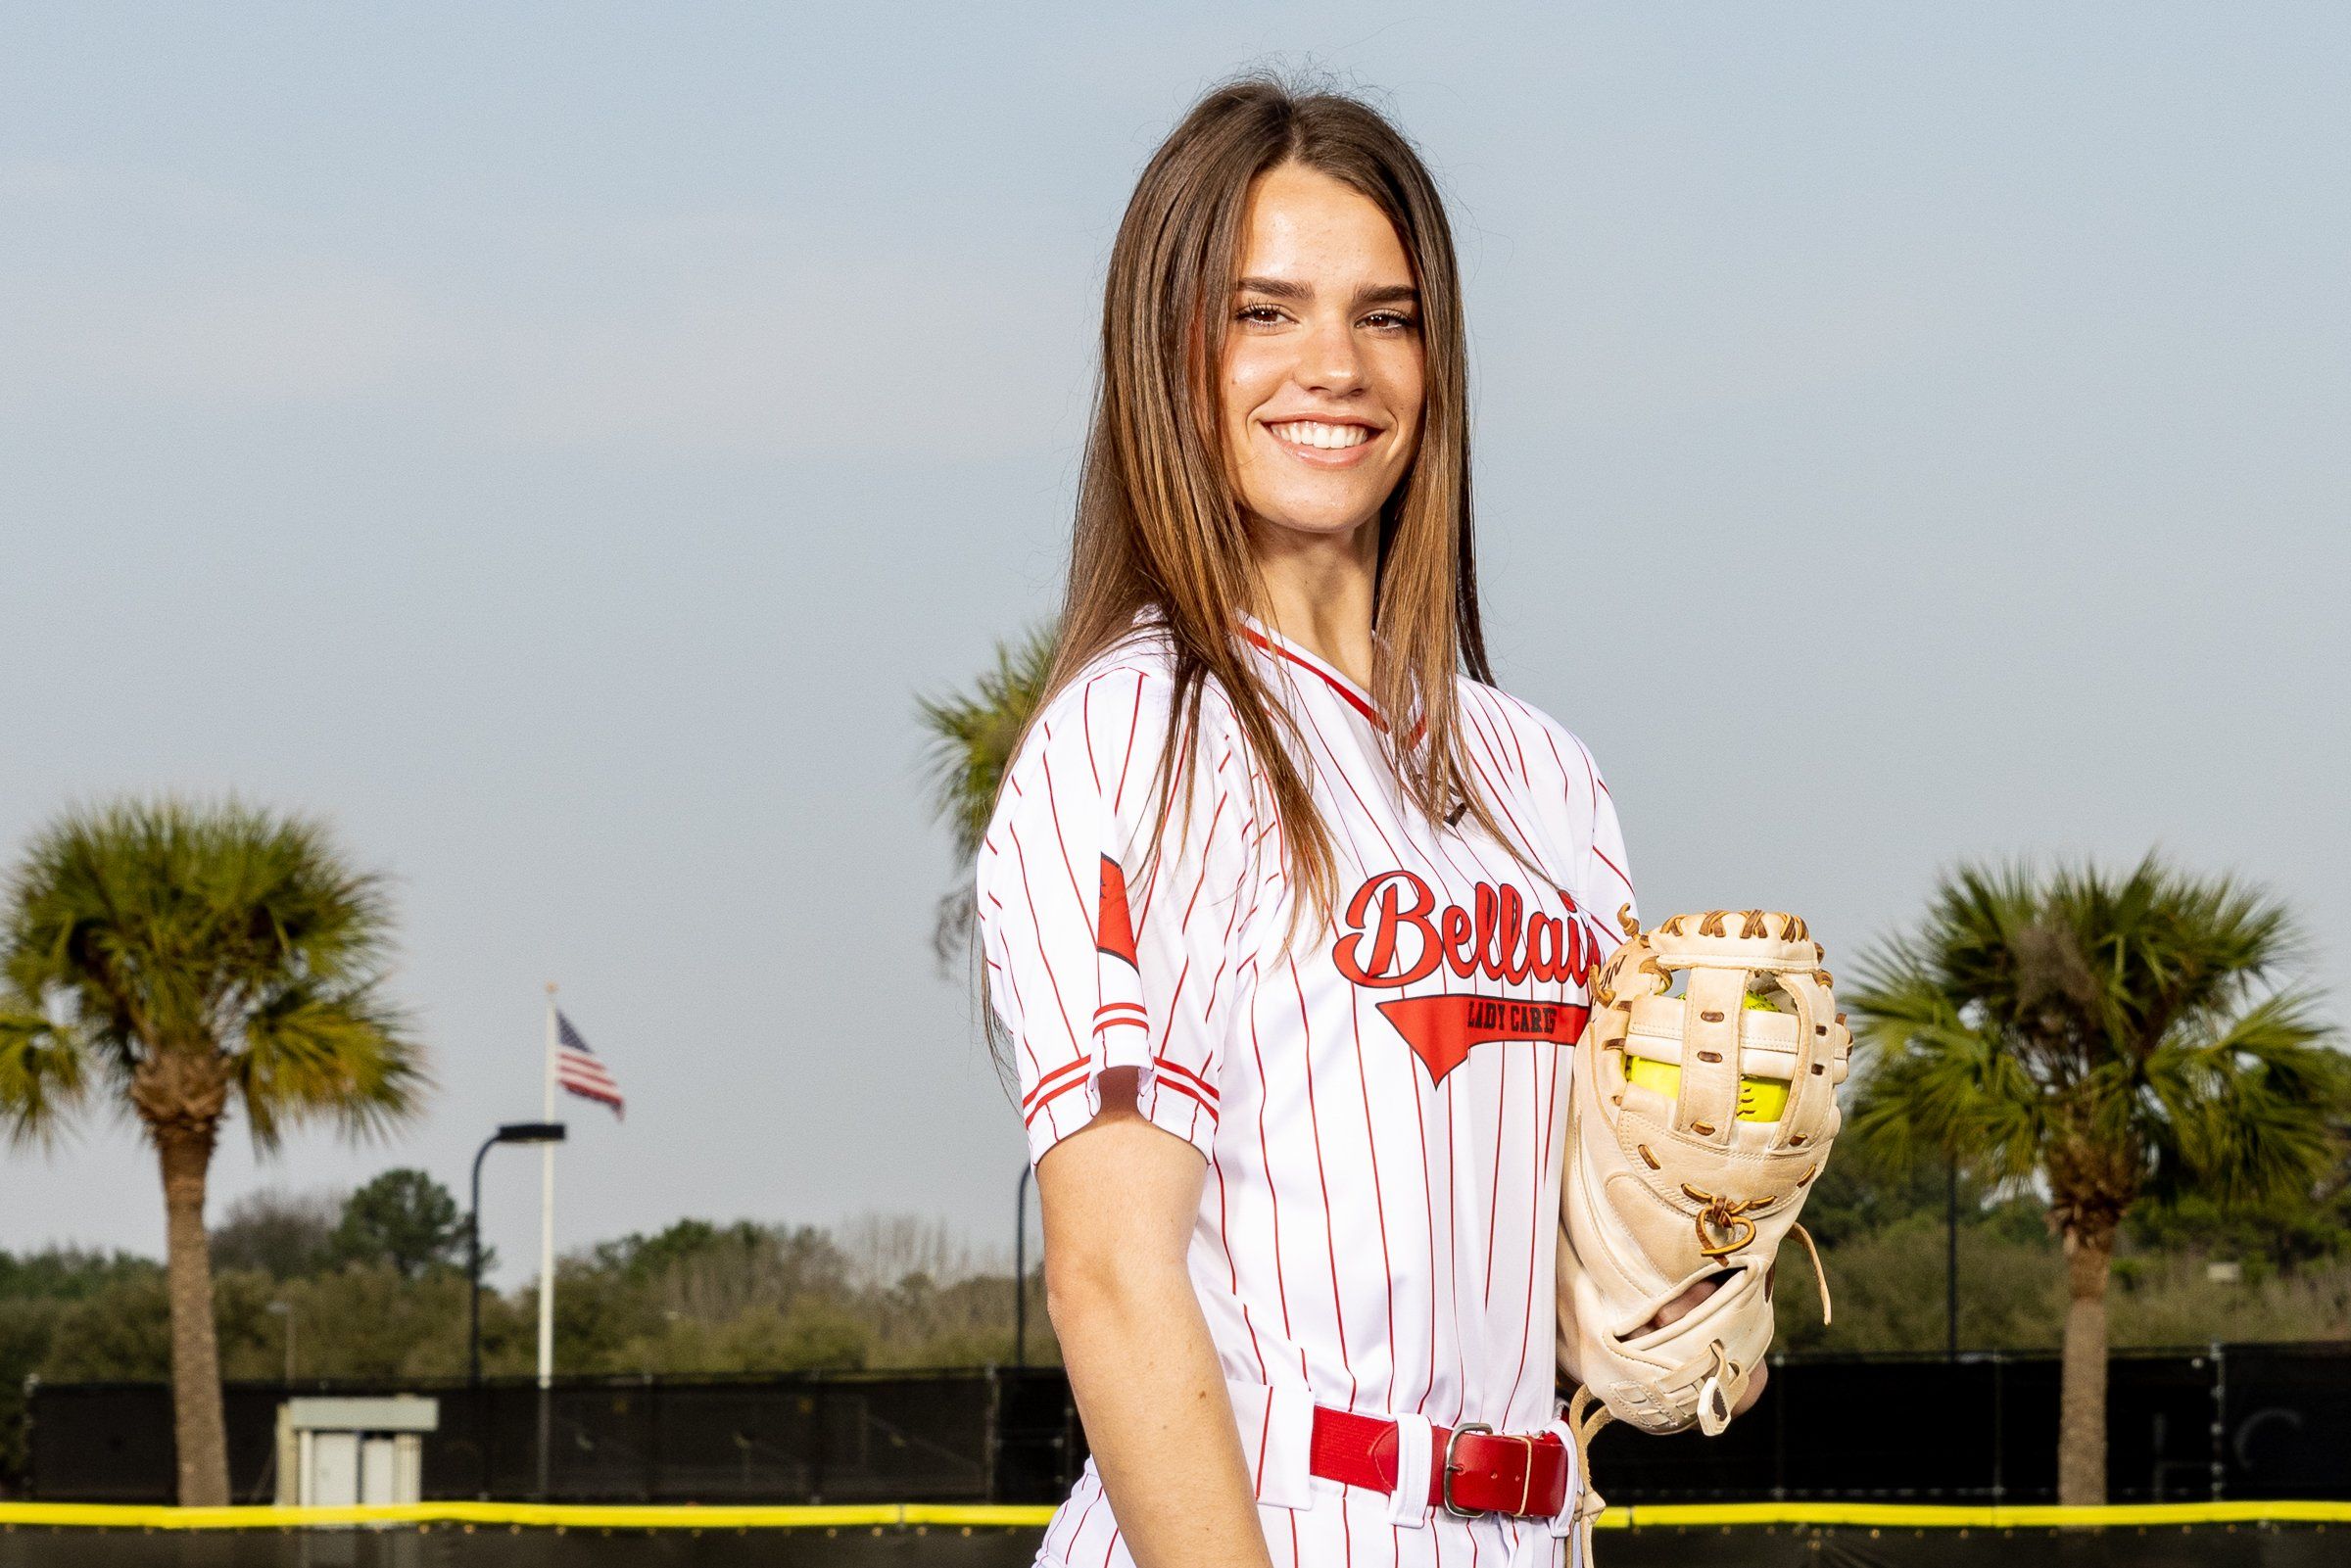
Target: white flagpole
[(546, 1245)]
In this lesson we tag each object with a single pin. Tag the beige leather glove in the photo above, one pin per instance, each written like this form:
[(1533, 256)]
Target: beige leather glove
[(1698, 1121)]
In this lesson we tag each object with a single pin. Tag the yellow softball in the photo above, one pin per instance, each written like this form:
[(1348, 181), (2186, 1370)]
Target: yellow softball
[(1759, 1099)]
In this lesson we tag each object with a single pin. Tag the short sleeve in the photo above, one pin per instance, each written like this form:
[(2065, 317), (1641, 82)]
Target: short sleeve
[(1103, 950)]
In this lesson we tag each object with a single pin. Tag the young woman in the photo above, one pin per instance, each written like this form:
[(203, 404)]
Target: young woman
[(1286, 910)]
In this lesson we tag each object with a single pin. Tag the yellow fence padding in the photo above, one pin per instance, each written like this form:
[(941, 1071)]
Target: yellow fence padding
[(630, 1516)]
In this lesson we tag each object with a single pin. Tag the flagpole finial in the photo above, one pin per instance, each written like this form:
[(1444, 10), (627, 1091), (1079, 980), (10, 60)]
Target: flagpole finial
[(550, 987)]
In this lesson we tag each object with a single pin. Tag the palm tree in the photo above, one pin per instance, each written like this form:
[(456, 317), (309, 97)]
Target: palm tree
[(972, 737), (2097, 1040), (168, 959)]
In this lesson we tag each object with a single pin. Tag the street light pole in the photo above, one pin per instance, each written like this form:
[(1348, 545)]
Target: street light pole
[(1951, 1257), (473, 1275), (511, 1132)]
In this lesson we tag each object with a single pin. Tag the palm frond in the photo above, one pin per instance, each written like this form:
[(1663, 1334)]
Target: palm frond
[(2112, 1035), (2253, 1114), (222, 934), (972, 733), (1934, 1087), (344, 1056), (43, 1075)]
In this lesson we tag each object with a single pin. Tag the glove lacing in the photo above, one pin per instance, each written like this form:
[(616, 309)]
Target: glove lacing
[(1586, 1414)]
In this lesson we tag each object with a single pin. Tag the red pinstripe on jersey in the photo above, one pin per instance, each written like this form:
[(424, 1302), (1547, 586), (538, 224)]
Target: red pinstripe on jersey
[(1321, 1090)]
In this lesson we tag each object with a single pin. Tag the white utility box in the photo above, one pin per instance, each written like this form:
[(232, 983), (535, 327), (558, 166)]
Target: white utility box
[(337, 1452)]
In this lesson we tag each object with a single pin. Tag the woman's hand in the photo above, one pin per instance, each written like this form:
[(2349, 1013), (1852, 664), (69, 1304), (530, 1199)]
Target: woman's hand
[(1687, 1303), (1120, 1199)]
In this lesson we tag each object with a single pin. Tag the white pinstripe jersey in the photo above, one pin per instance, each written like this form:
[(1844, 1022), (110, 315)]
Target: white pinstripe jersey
[(1380, 1101)]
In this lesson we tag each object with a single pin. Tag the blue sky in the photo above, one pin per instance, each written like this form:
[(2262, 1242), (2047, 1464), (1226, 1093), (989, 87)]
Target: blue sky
[(556, 442)]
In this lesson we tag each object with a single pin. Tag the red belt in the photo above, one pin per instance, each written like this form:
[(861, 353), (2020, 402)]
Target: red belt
[(1470, 1471)]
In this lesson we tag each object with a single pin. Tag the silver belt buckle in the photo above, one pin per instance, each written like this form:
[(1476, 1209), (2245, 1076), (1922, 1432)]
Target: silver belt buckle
[(1451, 1469)]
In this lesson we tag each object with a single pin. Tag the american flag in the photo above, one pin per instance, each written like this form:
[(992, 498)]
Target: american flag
[(578, 1072)]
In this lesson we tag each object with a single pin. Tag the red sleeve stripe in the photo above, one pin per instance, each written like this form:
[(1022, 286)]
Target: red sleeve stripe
[(1178, 1084), (1183, 1088), (1050, 1098), (1180, 1070), (1060, 1072), (1612, 866)]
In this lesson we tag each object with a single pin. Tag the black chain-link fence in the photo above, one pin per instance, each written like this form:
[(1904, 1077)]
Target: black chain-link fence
[(2234, 1421), (835, 1438)]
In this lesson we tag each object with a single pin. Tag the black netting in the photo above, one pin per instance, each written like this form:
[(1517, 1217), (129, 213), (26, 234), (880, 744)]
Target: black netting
[(2251, 1422), (847, 1439), (101, 1442), (2286, 1422)]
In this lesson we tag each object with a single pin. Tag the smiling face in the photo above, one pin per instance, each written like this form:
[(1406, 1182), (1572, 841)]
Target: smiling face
[(1323, 372)]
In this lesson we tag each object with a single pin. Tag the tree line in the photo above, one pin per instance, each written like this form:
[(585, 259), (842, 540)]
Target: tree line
[(373, 1284)]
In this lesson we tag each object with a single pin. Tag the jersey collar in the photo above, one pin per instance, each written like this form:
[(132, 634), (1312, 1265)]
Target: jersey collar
[(1281, 648)]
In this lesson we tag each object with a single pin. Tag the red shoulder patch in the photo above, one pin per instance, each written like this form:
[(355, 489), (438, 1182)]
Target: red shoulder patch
[(1113, 925)]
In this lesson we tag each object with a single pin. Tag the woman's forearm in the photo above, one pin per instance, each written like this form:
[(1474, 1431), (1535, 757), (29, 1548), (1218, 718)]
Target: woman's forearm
[(1157, 1415), (1119, 1200)]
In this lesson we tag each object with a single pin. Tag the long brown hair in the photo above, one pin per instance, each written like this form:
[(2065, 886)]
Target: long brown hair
[(1159, 525)]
